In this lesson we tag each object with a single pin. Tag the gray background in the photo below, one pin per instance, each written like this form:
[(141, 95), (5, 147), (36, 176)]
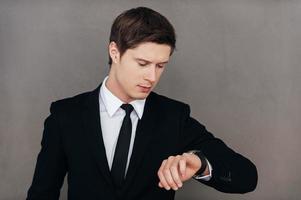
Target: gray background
[(237, 65)]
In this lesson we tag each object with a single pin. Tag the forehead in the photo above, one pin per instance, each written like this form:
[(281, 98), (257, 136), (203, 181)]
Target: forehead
[(151, 51)]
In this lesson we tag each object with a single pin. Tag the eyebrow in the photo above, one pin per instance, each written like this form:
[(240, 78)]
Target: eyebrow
[(147, 61)]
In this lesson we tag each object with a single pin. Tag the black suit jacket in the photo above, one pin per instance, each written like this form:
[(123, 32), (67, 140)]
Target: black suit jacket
[(72, 143)]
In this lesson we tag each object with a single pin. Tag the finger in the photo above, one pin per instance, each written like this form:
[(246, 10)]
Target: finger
[(167, 173), (163, 182), (182, 165), (174, 169)]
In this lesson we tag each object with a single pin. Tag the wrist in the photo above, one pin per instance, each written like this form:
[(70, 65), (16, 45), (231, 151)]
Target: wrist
[(202, 157)]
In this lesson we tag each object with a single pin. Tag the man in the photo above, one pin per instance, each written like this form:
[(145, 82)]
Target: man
[(123, 141)]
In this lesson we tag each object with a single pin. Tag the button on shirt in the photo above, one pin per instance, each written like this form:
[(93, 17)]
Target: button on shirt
[(111, 117)]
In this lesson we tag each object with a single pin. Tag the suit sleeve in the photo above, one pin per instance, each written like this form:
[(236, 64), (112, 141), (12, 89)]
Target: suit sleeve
[(231, 172), (51, 164)]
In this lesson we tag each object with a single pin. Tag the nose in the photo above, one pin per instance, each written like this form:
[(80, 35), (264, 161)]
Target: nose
[(151, 74)]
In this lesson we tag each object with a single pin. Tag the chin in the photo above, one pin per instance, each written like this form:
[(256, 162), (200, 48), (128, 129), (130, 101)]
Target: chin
[(141, 96)]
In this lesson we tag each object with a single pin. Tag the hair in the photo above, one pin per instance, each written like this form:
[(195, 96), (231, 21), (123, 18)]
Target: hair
[(139, 25)]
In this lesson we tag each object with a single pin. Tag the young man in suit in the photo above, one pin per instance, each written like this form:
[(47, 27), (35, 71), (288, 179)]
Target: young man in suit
[(123, 141)]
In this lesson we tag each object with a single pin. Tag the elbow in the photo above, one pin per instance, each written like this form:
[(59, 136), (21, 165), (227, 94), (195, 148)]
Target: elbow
[(247, 180), (243, 181), (252, 179)]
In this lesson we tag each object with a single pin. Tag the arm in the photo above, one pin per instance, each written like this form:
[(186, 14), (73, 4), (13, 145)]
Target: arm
[(51, 164), (231, 172)]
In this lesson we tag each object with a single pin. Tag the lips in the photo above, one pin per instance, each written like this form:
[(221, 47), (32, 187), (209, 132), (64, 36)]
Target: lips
[(144, 88)]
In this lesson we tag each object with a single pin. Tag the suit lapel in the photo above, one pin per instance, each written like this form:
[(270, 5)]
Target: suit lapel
[(91, 119)]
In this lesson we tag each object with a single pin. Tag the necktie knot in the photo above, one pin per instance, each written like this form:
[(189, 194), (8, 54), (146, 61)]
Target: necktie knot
[(128, 108)]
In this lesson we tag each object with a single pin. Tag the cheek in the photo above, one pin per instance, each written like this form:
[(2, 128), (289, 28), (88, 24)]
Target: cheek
[(135, 74), (159, 73), (130, 77)]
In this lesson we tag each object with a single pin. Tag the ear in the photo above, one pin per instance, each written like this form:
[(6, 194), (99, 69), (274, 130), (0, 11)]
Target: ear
[(114, 52)]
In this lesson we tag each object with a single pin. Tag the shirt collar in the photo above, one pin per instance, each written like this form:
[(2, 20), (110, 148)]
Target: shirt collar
[(113, 103)]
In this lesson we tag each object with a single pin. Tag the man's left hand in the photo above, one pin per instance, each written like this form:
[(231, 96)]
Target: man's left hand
[(177, 169)]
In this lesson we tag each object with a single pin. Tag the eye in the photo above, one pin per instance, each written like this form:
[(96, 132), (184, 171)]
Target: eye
[(142, 64), (160, 66)]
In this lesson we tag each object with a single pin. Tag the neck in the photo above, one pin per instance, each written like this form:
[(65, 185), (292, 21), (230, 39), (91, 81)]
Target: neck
[(116, 89)]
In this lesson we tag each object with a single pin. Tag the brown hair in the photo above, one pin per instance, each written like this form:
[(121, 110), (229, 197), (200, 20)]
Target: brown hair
[(139, 25)]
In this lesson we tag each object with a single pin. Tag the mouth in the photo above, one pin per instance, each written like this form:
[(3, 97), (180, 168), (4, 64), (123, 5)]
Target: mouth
[(144, 89)]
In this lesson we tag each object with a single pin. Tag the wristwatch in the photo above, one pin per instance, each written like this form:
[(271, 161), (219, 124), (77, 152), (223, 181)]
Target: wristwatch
[(203, 160)]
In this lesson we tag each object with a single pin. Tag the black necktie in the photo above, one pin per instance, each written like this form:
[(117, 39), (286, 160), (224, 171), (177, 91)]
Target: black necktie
[(122, 147)]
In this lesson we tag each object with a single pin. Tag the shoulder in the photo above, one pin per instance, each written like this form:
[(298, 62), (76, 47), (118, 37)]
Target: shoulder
[(165, 102), (69, 104)]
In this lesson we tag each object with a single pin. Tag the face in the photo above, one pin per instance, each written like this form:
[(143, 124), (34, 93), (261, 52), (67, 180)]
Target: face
[(136, 73)]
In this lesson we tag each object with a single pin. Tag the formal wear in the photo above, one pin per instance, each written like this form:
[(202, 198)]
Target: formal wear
[(73, 144), (111, 116)]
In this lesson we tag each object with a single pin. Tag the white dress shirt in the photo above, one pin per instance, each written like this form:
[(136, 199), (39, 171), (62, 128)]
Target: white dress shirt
[(111, 117)]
